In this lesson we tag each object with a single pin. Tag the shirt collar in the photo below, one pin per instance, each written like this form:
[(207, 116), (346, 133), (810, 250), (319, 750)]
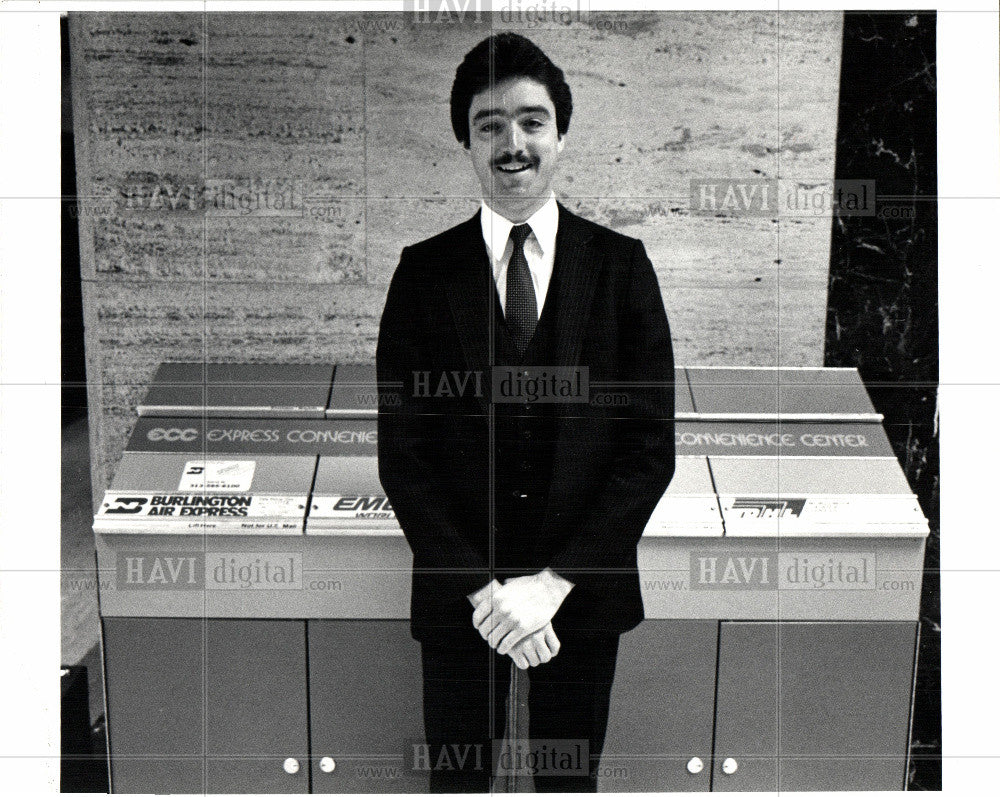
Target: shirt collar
[(544, 224)]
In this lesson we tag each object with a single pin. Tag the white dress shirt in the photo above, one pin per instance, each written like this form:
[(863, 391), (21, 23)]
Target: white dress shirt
[(539, 248)]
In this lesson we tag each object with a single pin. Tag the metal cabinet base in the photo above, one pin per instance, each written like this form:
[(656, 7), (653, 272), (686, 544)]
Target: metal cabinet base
[(799, 706), (660, 717), (813, 706), (222, 706), (206, 705), (366, 706)]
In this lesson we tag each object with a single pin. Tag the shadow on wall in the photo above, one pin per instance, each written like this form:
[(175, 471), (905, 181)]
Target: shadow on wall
[(72, 369)]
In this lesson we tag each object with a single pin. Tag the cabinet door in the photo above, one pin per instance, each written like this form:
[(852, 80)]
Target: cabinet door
[(366, 706), (256, 706), (153, 675), (813, 706), (661, 712), (206, 705)]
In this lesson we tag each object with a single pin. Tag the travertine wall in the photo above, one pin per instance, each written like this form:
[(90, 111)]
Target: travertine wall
[(344, 118)]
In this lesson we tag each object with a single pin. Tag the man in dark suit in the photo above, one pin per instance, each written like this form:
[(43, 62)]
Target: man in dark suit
[(523, 514)]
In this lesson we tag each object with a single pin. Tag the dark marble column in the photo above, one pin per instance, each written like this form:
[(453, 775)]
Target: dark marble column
[(883, 300)]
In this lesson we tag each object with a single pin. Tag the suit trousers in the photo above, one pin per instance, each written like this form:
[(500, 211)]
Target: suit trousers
[(466, 686)]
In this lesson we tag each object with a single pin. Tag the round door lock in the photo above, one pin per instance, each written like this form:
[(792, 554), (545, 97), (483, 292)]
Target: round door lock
[(695, 765), (729, 766), (327, 764), (291, 766)]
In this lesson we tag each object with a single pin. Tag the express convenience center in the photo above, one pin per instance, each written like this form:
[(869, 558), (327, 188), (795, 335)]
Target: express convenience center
[(255, 625)]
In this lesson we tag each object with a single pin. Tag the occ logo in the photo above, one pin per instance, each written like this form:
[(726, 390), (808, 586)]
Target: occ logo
[(172, 435)]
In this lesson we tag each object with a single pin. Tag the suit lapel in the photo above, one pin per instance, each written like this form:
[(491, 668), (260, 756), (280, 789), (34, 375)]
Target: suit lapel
[(578, 264), (577, 270), (472, 296), (472, 293)]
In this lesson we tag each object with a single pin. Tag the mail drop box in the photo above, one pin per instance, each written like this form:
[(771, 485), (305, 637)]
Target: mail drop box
[(367, 688), (689, 506), (354, 529), (801, 602), (202, 493), (255, 592), (250, 390), (355, 392), (788, 393)]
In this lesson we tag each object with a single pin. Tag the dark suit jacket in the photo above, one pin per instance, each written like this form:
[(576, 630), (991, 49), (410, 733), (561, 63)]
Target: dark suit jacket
[(611, 463)]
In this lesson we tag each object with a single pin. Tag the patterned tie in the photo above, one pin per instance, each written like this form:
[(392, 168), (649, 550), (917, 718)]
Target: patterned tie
[(522, 308)]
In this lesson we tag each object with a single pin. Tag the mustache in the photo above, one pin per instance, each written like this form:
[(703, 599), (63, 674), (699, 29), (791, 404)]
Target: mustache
[(510, 160)]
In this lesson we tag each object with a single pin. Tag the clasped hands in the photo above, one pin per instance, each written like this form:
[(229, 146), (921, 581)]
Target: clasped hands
[(515, 618)]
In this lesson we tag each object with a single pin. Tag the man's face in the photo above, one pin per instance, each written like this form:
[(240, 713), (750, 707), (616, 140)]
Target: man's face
[(514, 145)]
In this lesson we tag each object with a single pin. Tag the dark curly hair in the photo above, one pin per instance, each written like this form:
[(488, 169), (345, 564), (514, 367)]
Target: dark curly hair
[(506, 55)]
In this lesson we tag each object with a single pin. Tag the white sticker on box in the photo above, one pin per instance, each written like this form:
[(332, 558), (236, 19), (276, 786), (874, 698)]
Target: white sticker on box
[(352, 507), (819, 513), (682, 515), (137, 513), (124, 506), (209, 476)]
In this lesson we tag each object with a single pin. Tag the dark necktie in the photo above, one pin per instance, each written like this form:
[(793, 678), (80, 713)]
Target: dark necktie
[(522, 308)]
